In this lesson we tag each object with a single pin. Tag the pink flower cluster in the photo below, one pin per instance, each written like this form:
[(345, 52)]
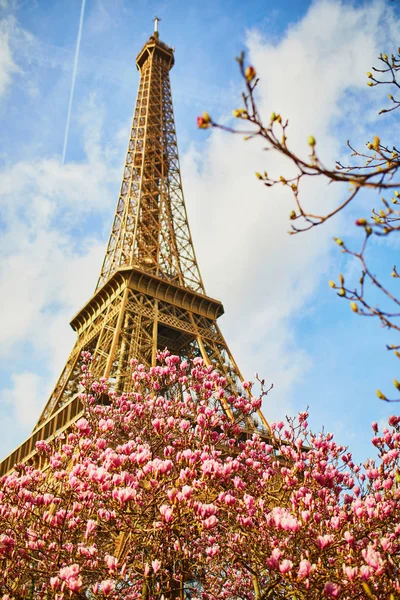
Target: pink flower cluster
[(159, 492)]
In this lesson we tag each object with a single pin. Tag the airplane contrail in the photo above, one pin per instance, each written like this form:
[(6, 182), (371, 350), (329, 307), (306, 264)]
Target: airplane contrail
[(74, 72)]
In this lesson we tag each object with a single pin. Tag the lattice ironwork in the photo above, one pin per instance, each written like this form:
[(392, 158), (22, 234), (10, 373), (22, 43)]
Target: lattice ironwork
[(150, 294), (150, 228)]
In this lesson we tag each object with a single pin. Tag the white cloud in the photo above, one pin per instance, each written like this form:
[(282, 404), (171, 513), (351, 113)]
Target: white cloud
[(7, 64), (25, 397), (47, 271), (269, 278)]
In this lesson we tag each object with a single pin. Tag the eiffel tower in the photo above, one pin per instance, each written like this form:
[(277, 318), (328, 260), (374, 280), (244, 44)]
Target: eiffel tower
[(150, 294)]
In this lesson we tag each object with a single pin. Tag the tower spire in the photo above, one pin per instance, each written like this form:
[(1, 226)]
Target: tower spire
[(150, 294), (156, 22)]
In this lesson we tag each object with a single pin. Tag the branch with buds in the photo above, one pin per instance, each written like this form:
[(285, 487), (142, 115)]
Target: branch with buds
[(376, 168)]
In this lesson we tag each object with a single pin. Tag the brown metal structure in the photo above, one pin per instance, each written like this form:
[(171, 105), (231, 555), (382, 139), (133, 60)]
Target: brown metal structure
[(150, 294)]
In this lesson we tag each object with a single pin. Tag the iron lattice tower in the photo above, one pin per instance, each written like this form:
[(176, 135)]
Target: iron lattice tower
[(150, 294)]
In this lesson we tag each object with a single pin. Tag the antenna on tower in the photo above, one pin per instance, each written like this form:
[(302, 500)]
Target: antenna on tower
[(156, 22)]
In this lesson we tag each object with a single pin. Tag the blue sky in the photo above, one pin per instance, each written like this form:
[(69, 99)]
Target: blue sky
[(282, 320)]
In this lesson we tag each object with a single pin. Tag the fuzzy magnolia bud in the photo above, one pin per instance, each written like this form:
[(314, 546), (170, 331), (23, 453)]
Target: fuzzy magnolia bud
[(292, 215), (258, 175), (341, 292), (250, 73), (396, 384), (331, 283), (376, 143), (354, 307), (311, 141), (380, 395), (338, 241), (361, 222), (369, 74), (204, 121)]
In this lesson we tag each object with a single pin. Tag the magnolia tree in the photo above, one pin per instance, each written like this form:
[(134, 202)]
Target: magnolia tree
[(157, 494)]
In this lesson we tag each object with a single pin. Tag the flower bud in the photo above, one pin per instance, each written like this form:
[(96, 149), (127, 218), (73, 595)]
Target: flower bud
[(238, 112), (292, 215), (339, 241), (361, 222), (376, 143), (380, 395), (258, 175), (311, 141), (354, 307), (331, 283), (272, 117), (396, 384), (250, 73), (204, 121), (341, 292)]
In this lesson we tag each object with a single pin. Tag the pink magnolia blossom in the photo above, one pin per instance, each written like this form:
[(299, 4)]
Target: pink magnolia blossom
[(304, 569), (167, 513), (210, 522), (332, 590), (107, 586), (111, 562), (155, 565), (285, 566)]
